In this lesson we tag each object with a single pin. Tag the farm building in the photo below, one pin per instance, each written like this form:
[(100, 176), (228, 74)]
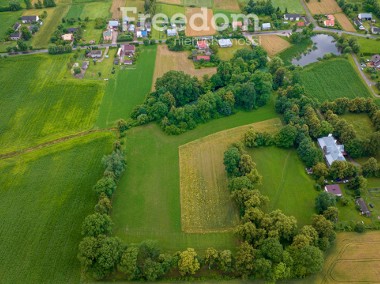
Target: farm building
[(362, 207), (359, 24), (225, 42), (330, 22), (202, 57), (113, 24), (375, 30), (375, 61), (16, 26), (292, 17), (365, 16), (202, 44), (331, 150), (266, 26), (15, 36), (67, 37), (334, 189), (107, 35), (29, 19), (95, 53), (171, 32)]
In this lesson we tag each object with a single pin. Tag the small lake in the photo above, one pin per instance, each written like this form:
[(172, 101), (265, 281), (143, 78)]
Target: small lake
[(322, 44)]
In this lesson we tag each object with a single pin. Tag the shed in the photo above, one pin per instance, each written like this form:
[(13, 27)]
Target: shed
[(85, 65), (334, 189), (362, 207), (225, 42), (171, 32), (266, 26), (365, 16)]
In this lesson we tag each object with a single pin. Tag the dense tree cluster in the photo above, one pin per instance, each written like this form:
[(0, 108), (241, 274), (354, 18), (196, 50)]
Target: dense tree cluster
[(348, 45), (272, 247), (180, 101), (260, 7), (355, 146)]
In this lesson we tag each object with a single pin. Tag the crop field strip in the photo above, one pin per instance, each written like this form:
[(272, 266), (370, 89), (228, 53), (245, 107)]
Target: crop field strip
[(38, 108), (323, 7), (205, 199), (42, 209), (273, 44), (328, 80), (209, 30), (345, 22)]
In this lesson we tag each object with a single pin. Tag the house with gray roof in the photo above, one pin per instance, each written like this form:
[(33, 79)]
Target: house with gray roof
[(331, 150), (292, 17), (363, 207)]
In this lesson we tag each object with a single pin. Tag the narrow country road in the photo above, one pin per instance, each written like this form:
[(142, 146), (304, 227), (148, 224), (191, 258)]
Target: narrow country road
[(365, 78)]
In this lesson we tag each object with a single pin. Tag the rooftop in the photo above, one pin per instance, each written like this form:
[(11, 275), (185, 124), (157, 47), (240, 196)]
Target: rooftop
[(333, 189), (332, 151)]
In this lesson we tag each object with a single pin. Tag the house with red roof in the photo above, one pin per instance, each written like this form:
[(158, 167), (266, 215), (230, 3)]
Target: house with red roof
[(330, 22), (202, 44), (202, 57)]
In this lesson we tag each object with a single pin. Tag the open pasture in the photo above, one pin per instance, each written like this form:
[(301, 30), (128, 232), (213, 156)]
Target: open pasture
[(368, 46), (147, 203), (43, 105), (171, 2), (345, 22), (167, 60), (124, 93), (228, 52), (42, 38), (75, 11), (202, 26), (273, 44), (293, 6), (7, 20), (228, 5), (328, 80), (323, 7), (138, 4), (206, 205), (45, 196), (353, 259)]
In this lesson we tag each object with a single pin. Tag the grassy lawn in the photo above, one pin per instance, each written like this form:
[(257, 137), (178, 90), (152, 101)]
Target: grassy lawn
[(45, 196), (90, 33), (362, 124), (147, 204), (104, 67), (42, 38), (328, 80), (227, 53), (7, 20), (43, 104), (369, 46), (124, 92), (75, 11), (293, 6), (96, 10), (285, 182)]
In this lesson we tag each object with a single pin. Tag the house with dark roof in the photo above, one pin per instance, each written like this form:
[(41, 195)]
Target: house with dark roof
[(85, 65), (334, 189), (71, 30), (128, 49), (331, 150), (365, 16), (375, 30), (363, 207), (375, 61), (97, 53), (292, 17), (15, 36), (359, 24), (16, 26), (29, 19)]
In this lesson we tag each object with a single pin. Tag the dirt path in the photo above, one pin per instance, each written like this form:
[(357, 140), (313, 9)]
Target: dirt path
[(365, 78), (51, 143)]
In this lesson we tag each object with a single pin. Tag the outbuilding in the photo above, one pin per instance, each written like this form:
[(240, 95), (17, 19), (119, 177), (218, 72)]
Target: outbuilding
[(225, 43), (334, 189)]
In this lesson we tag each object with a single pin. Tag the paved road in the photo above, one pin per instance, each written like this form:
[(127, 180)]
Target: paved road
[(365, 78)]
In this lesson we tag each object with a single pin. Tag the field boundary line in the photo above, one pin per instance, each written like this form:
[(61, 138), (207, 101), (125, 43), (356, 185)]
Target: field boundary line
[(51, 143)]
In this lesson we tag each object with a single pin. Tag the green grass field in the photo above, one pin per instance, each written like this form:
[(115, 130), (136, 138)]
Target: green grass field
[(38, 103), (42, 38), (285, 182), (293, 6), (75, 11), (227, 53), (45, 196), (333, 79), (368, 46), (147, 204), (7, 20), (129, 89), (96, 10), (362, 124)]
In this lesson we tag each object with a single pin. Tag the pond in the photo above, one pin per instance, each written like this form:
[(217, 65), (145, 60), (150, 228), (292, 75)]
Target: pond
[(322, 44)]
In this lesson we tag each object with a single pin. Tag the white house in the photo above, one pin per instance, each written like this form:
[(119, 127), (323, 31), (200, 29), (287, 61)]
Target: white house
[(113, 24), (265, 26), (331, 150), (171, 32), (365, 16), (225, 42)]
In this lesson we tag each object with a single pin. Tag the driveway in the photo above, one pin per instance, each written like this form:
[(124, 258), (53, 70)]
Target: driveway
[(366, 79), (114, 37)]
